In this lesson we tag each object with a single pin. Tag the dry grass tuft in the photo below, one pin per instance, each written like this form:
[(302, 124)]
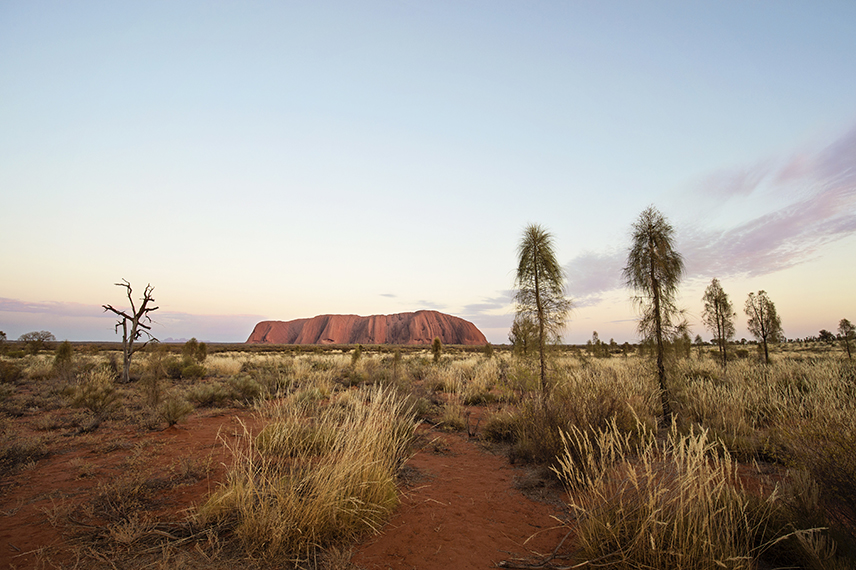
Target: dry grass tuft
[(313, 477)]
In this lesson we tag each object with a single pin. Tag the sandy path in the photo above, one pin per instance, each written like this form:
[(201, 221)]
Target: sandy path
[(460, 510)]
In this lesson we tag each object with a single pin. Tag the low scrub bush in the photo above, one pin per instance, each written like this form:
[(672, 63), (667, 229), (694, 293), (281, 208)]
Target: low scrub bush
[(174, 409), (194, 351), (16, 450), (275, 375), (209, 395), (500, 427), (184, 368), (10, 372), (97, 393), (172, 368), (245, 389), (541, 419), (193, 370)]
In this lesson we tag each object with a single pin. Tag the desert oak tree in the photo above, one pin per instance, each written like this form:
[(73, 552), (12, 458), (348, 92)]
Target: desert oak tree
[(718, 317), (654, 270), (764, 324), (847, 333), (134, 323), (540, 284), (36, 340), (523, 335)]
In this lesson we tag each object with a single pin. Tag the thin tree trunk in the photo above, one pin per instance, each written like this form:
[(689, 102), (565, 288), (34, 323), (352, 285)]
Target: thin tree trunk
[(661, 368), (540, 322), (126, 354), (723, 342)]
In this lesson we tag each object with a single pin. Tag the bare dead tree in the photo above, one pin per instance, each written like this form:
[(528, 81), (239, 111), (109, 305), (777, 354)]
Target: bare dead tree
[(138, 320)]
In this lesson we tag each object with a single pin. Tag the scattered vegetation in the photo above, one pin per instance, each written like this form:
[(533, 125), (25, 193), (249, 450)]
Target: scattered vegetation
[(756, 469)]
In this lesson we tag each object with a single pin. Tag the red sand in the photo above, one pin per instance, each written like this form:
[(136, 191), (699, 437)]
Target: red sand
[(460, 511), (459, 507)]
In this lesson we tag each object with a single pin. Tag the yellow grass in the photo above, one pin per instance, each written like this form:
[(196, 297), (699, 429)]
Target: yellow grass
[(312, 477)]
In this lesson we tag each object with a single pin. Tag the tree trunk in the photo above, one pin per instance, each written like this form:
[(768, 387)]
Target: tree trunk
[(126, 354), (540, 309), (661, 368)]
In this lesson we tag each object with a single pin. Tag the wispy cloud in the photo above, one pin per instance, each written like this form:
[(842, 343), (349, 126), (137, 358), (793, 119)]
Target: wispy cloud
[(802, 203), (492, 314), (390, 295), (53, 308), (822, 210), (222, 328), (591, 273), (489, 304), (423, 304)]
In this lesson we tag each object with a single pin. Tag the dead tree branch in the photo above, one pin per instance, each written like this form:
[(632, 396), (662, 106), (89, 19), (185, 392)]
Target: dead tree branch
[(139, 321)]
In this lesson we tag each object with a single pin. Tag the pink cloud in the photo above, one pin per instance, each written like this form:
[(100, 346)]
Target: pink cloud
[(823, 212)]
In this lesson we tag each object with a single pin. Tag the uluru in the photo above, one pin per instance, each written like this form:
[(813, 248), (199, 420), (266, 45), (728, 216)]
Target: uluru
[(420, 327)]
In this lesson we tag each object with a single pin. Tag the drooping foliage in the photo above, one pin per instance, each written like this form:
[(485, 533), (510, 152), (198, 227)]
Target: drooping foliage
[(540, 284), (764, 323), (718, 317), (654, 269)]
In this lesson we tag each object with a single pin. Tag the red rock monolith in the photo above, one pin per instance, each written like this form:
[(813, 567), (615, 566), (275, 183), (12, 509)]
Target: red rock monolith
[(421, 327)]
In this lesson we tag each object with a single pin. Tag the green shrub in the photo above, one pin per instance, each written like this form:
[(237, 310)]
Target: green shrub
[(10, 372), (209, 394), (177, 369), (172, 367), (63, 354), (151, 390), (193, 370), (174, 409), (436, 349), (245, 389), (194, 351), (96, 393), (274, 376), (500, 427)]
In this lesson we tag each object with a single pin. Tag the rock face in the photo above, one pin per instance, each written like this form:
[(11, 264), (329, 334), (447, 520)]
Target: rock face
[(421, 327)]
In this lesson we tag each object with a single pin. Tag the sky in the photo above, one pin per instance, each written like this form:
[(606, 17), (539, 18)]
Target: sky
[(280, 160)]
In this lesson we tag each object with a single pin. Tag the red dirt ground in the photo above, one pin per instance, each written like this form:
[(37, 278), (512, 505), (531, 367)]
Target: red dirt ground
[(459, 507), (30, 497), (461, 510)]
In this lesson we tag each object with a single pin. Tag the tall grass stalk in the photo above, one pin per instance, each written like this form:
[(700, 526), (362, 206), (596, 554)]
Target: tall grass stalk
[(678, 503)]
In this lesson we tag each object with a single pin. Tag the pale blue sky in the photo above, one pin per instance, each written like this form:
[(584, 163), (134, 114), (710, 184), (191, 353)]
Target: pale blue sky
[(279, 160)]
